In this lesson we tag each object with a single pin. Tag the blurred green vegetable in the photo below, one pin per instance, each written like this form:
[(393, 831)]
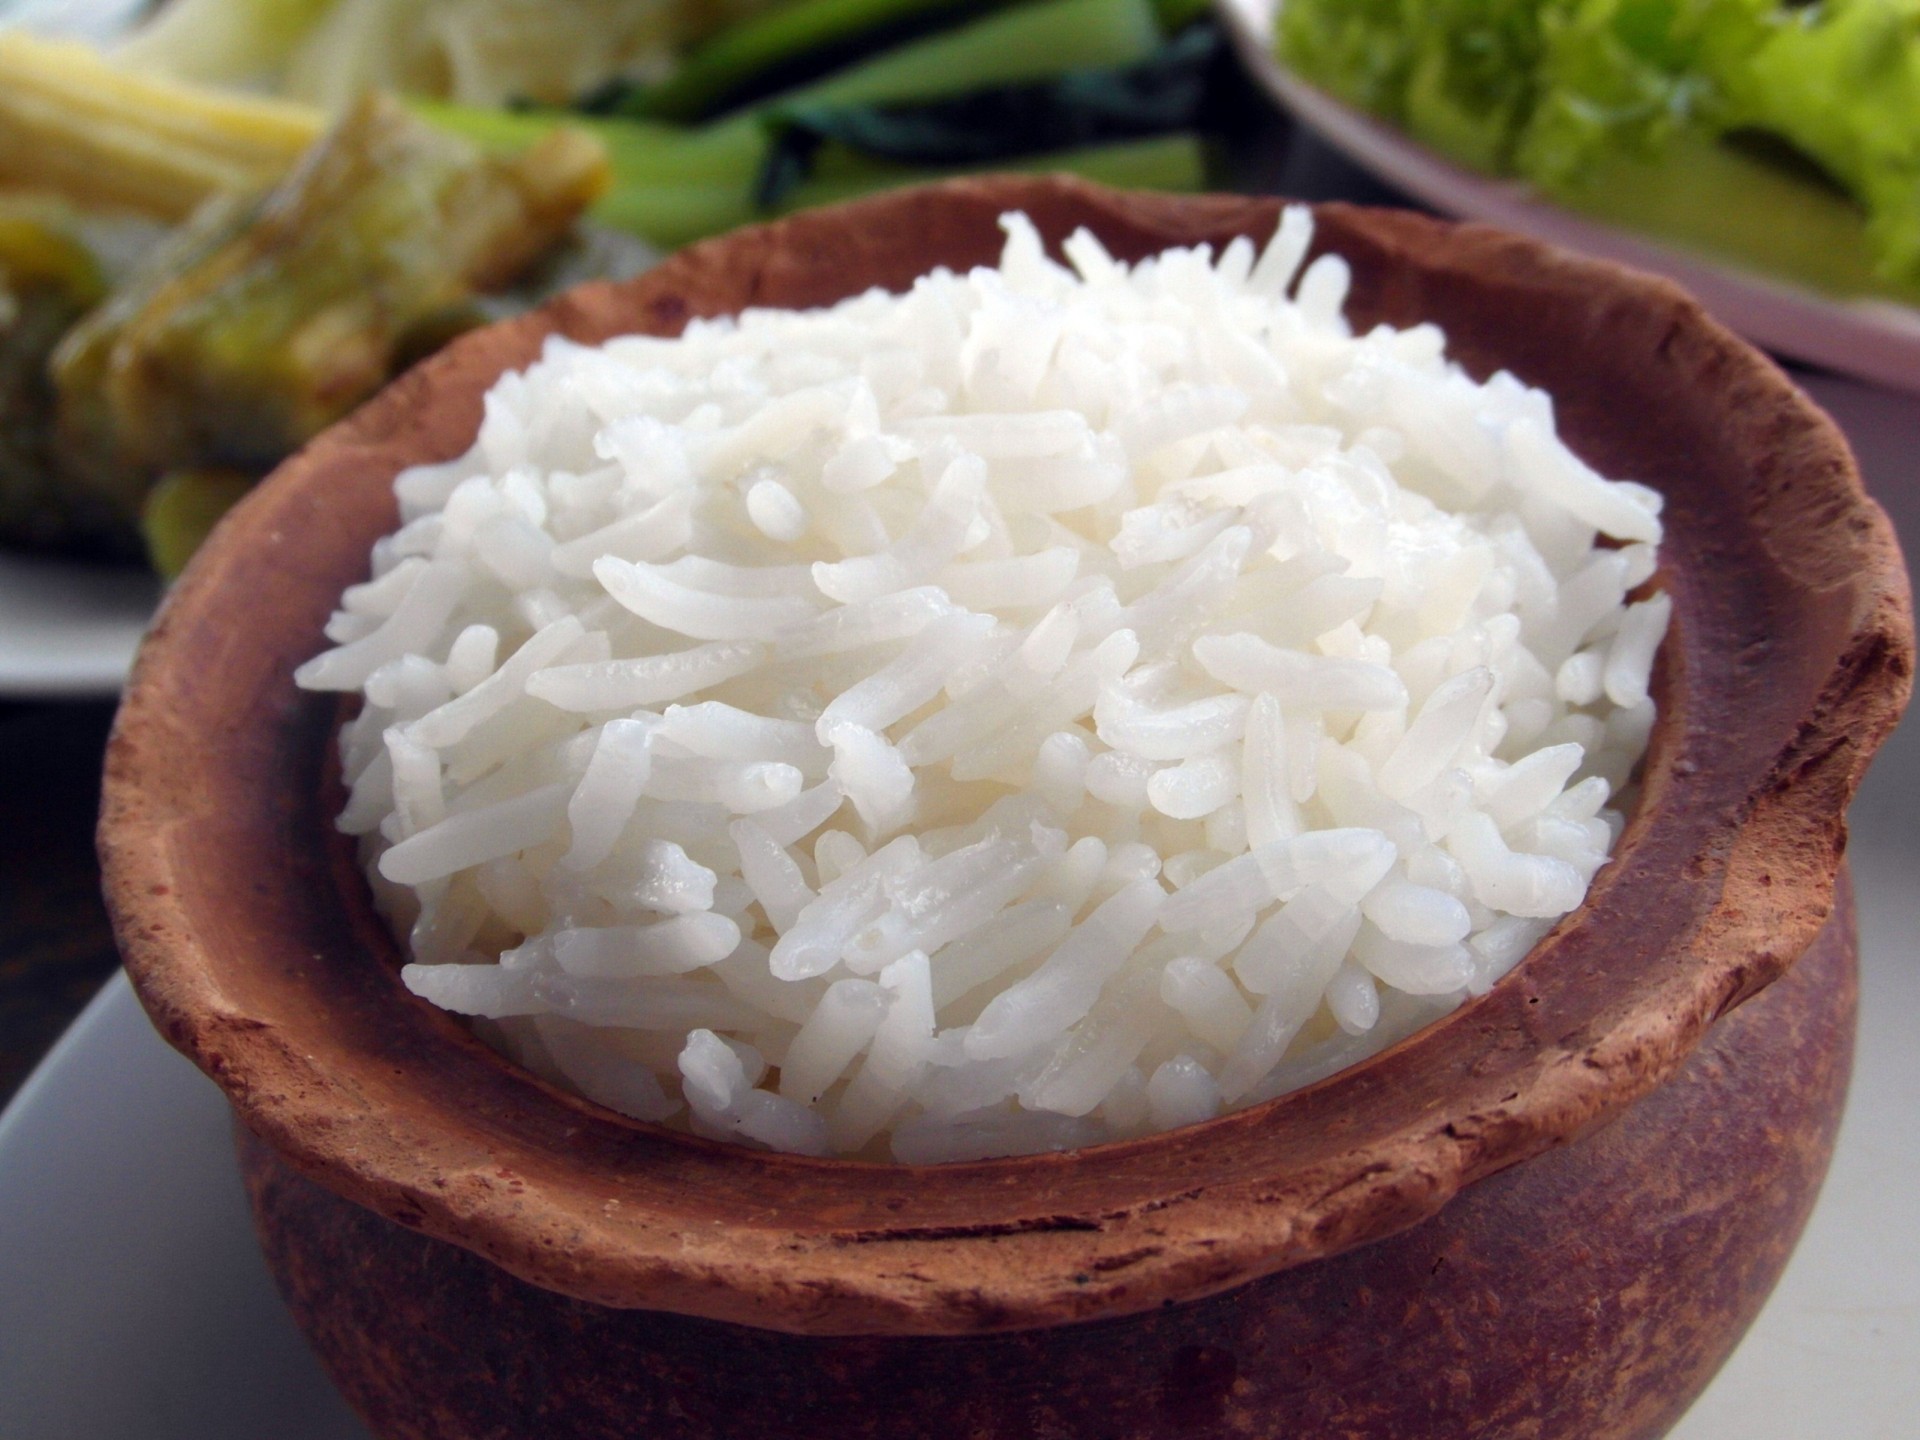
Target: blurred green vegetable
[(1783, 134), (478, 52), (1162, 94), (310, 267), (1026, 42), (1361, 50), (791, 43), (48, 280), (73, 125), (1164, 162), (673, 184), (181, 511), (267, 318), (1842, 85)]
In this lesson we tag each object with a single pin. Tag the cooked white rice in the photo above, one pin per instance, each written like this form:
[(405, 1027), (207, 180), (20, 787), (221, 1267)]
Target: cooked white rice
[(1045, 707)]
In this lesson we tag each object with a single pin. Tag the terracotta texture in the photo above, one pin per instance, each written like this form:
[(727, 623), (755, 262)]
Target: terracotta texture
[(1586, 1295), (249, 935)]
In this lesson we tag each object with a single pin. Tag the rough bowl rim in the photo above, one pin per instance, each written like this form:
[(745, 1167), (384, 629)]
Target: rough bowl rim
[(610, 1211)]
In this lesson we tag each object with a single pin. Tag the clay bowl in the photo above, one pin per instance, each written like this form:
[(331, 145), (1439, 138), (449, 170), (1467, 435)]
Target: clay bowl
[(1415, 1246)]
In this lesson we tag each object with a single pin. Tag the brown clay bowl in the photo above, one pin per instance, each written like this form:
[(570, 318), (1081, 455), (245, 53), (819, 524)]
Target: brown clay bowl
[(1392, 1252)]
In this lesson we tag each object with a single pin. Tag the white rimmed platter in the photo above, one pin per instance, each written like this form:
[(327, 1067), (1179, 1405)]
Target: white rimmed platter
[(69, 630), (132, 1300), (1877, 341)]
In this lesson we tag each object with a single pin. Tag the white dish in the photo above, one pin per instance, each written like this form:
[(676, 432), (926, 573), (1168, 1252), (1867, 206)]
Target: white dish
[(133, 1301), (97, 20), (69, 630), (1873, 340)]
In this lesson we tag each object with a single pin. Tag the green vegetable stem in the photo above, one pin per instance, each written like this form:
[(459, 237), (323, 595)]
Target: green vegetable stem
[(1163, 94), (674, 183), (751, 56)]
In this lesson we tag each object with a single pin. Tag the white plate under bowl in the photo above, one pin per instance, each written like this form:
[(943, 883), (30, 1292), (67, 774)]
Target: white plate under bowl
[(134, 1304), (96, 20), (67, 630), (1871, 339)]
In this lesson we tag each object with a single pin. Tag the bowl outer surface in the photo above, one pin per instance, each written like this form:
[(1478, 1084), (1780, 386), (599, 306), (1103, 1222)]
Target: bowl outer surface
[(249, 934), (1586, 1295)]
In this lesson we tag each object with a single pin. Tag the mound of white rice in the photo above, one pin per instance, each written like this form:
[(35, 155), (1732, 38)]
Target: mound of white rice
[(1045, 707)]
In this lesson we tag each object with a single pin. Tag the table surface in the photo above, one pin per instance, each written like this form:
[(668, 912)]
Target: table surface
[(56, 947)]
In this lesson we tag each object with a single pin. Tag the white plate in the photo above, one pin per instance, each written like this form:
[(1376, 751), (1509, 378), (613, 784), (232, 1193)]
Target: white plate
[(96, 20), (69, 630), (1874, 340), (133, 1302)]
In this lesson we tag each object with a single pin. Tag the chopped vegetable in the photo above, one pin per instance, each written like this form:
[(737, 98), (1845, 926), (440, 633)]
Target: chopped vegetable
[(308, 265), (265, 320), (48, 280), (74, 125), (478, 52), (181, 511)]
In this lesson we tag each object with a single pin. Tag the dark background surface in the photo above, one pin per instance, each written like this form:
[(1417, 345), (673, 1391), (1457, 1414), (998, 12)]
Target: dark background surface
[(55, 946)]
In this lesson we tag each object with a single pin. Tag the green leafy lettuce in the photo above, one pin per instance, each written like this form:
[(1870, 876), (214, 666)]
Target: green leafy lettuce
[(1786, 135)]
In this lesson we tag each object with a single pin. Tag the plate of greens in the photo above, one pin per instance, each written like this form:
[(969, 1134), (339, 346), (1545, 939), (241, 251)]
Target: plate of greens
[(1764, 154), (225, 223)]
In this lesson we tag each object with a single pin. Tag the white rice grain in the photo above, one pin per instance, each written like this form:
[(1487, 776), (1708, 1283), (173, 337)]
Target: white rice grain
[(1054, 703)]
